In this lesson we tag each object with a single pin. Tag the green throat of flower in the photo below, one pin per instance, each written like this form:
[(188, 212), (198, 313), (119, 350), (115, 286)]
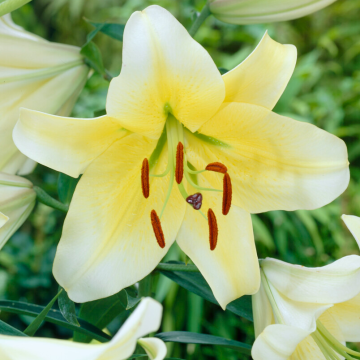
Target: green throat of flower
[(332, 348), (178, 168)]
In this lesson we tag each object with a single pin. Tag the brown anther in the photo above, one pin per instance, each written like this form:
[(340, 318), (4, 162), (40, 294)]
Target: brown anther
[(227, 194), (217, 167), (213, 229), (156, 224), (145, 183), (179, 170)]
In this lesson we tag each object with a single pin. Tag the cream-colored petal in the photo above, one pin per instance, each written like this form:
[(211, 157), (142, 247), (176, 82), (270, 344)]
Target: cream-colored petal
[(64, 144), (330, 284), (299, 314), (3, 220), (347, 316), (145, 319), (232, 269), (275, 163), (278, 342), (262, 311), (162, 65), (353, 224), (108, 242), (17, 199), (154, 347), (262, 77)]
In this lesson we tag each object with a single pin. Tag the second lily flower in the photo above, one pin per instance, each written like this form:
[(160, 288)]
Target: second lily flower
[(172, 117)]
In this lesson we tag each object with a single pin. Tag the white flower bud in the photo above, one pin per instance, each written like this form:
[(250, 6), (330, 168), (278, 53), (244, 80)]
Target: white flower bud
[(264, 11), (34, 74)]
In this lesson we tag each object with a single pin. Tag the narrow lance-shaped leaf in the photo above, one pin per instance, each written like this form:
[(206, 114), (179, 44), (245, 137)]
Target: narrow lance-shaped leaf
[(67, 307), (33, 327), (6, 329), (55, 317), (195, 282), (186, 337), (114, 30)]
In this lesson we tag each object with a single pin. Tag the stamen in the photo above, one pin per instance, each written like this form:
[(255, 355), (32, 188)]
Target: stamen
[(227, 194), (195, 200), (217, 167), (156, 224), (145, 184), (179, 170), (213, 229)]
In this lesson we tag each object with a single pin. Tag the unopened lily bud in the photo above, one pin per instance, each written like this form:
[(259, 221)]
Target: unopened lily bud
[(7, 6), (34, 74), (17, 199), (264, 11)]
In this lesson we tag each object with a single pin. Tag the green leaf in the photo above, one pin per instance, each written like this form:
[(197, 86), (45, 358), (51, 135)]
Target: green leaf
[(196, 283), (66, 187), (186, 337), (101, 312), (93, 57), (55, 317), (67, 308), (33, 327), (6, 329), (114, 30)]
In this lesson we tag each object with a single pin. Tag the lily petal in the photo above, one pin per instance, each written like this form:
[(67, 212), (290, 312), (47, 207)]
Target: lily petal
[(163, 65), (262, 77), (330, 284), (67, 145), (278, 342), (276, 163), (145, 319), (108, 229), (346, 315), (232, 269), (3, 219), (353, 224), (155, 348), (262, 311)]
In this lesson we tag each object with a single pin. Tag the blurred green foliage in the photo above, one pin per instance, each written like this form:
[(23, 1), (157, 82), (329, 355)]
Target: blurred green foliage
[(325, 91)]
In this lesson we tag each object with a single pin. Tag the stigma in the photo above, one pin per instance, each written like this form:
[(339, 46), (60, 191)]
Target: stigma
[(180, 171)]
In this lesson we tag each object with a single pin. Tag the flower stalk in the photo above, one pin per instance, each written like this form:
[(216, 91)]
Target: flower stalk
[(46, 199), (204, 14)]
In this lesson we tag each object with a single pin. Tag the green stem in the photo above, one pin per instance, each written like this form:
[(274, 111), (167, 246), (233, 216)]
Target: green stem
[(46, 199), (177, 267), (145, 286), (204, 14)]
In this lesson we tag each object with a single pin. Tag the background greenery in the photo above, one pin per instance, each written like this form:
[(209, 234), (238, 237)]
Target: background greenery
[(325, 90)]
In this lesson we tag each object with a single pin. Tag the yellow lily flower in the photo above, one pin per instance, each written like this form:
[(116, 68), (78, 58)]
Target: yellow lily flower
[(144, 320), (36, 74), (307, 313), (7, 6), (264, 11), (172, 117), (17, 199)]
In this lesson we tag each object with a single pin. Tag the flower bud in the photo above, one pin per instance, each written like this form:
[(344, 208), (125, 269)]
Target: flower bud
[(7, 6), (34, 74), (17, 199), (264, 11)]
